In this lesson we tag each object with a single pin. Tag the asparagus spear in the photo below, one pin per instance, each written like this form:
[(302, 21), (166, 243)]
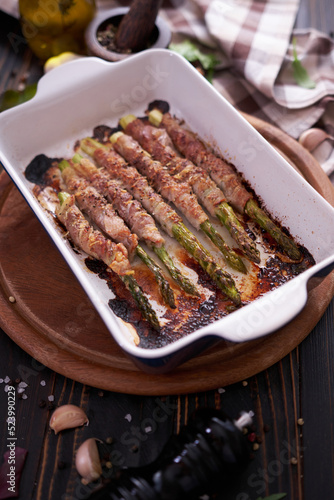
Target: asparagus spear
[(123, 200), (164, 287), (157, 142), (97, 246), (88, 197), (165, 215), (253, 211), (178, 193), (226, 178)]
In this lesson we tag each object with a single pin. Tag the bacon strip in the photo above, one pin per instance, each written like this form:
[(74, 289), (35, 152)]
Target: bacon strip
[(221, 172), (92, 241), (178, 193), (99, 210), (129, 209), (138, 186), (157, 142)]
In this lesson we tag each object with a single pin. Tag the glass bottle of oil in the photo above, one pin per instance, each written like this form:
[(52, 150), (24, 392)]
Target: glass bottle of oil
[(55, 26)]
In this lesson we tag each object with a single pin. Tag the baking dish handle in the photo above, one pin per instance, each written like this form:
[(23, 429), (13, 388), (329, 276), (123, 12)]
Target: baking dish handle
[(275, 309), (76, 71)]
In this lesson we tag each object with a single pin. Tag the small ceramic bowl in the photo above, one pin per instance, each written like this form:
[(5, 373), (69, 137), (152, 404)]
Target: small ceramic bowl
[(160, 38)]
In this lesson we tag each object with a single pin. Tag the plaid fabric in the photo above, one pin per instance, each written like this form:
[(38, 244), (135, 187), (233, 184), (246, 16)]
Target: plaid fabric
[(256, 38)]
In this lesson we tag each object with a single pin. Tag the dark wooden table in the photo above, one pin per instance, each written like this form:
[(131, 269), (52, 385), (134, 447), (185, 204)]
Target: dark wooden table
[(291, 458)]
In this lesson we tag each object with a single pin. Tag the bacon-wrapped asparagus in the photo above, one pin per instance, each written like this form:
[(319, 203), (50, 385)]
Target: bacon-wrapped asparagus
[(96, 245), (132, 212), (103, 214), (162, 212), (226, 178), (157, 142), (180, 194)]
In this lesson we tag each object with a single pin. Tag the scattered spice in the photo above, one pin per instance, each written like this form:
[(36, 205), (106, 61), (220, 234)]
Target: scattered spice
[(256, 446), (293, 461), (12, 299), (106, 36), (300, 421), (244, 383)]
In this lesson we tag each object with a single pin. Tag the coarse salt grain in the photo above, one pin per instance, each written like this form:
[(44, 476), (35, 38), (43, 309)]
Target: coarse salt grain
[(221, 390), (43, 383), (24, 396), (128, 417), (148, 429), (51, 398), (20, 390), (23, 385), (1, 380), (6, 380)]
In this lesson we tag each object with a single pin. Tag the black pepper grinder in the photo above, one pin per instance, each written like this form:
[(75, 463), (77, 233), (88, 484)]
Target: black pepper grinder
[(209, 451)]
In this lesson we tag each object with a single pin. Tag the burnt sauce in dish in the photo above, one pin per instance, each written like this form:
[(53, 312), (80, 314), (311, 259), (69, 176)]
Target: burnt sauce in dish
[(191, 312)]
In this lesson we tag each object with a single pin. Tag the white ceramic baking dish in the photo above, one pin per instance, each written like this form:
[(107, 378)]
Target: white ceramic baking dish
[(72, 99)]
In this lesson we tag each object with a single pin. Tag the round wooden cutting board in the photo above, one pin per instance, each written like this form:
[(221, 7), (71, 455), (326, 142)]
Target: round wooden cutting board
[(53, 320)]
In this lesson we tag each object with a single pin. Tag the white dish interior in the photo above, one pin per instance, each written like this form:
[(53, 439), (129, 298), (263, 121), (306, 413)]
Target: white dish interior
[(74, 98)]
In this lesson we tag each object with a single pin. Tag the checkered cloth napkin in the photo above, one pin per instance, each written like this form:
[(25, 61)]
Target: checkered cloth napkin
[(255, 38)]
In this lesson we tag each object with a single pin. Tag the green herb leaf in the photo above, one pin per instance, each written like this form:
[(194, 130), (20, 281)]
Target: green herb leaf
[(11, 98), (275, 496), (192, 53), (299, 72)]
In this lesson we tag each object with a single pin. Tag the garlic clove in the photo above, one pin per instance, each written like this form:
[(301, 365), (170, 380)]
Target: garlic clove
[(87, 461), (312, 137), (67, 417)]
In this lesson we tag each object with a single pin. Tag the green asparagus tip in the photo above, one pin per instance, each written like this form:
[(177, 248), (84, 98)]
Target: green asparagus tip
[(89, 145), (63, 196), (114, 137), (63, 164), (77, 158), (155, 117), (125, 120)]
